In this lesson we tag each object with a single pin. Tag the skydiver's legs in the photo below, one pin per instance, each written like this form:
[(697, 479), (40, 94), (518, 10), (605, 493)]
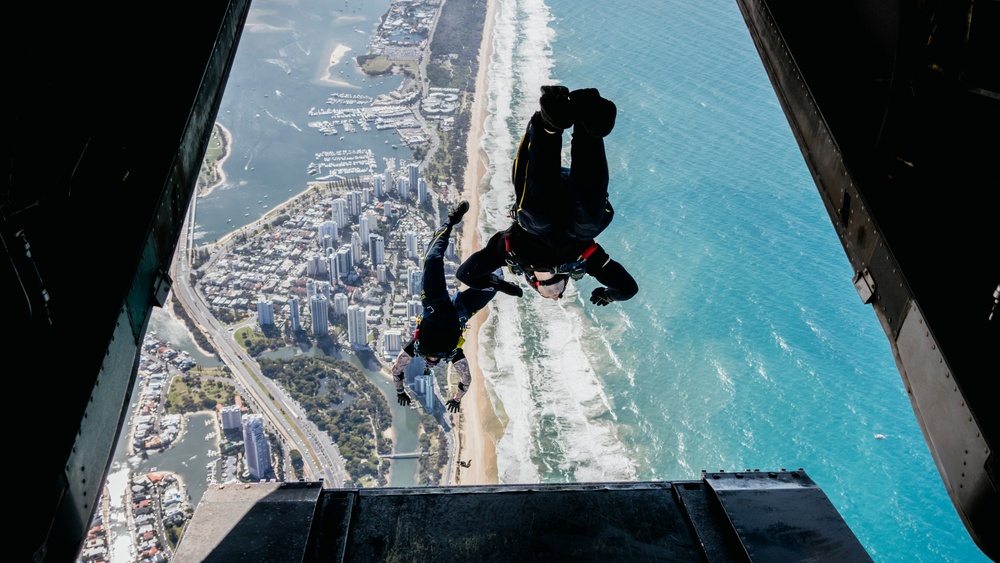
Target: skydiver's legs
[(588, 176), (536, 176), (588, 162), (470, 301), (434, 286), (590, 211), (553, 203), (434, 291)]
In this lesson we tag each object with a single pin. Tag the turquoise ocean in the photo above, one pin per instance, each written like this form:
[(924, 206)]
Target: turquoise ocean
[(747, 346)]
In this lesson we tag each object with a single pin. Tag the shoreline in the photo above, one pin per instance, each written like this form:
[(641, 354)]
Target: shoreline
[(227, 149), (478, 426)]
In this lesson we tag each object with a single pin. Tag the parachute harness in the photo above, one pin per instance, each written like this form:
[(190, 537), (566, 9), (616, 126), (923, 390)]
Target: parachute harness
[(575, 269)]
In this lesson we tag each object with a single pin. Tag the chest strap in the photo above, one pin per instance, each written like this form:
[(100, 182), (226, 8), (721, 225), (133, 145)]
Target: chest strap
[(575, 269)]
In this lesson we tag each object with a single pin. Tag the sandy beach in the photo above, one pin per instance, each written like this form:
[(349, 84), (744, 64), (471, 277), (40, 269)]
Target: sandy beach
[(478, 426)]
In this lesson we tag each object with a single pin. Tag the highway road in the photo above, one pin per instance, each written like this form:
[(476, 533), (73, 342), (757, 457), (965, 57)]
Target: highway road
[(321, 456)]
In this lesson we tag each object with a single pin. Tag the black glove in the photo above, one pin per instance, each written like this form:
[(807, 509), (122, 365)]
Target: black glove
[(600, 297), (509, 289), (504, 286), (453, 405), (403, 398)]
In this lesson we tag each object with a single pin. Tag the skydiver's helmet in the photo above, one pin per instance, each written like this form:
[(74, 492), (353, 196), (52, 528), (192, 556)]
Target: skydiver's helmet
[(436, 341), (547, 284)]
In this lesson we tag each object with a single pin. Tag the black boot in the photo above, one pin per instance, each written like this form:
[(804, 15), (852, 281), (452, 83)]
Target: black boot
[(556, 109), (455, 215), (594, 114)]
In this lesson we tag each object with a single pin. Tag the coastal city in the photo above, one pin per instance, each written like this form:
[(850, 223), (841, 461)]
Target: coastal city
[(335, 252), (338, 267)]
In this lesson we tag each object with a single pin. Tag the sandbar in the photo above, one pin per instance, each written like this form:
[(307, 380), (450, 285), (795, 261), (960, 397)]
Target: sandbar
[(220, 171), (336, 55)]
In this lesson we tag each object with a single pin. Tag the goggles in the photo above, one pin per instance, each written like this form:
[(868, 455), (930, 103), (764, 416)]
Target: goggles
[(575, 270), (558, 277)]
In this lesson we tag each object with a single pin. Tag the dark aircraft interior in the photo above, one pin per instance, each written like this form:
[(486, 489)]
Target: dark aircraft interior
[(895, 105)]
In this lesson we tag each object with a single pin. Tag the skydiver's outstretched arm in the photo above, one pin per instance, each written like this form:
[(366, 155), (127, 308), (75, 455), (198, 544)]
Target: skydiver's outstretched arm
[(461, 368), (620, 285), (399, 372)]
